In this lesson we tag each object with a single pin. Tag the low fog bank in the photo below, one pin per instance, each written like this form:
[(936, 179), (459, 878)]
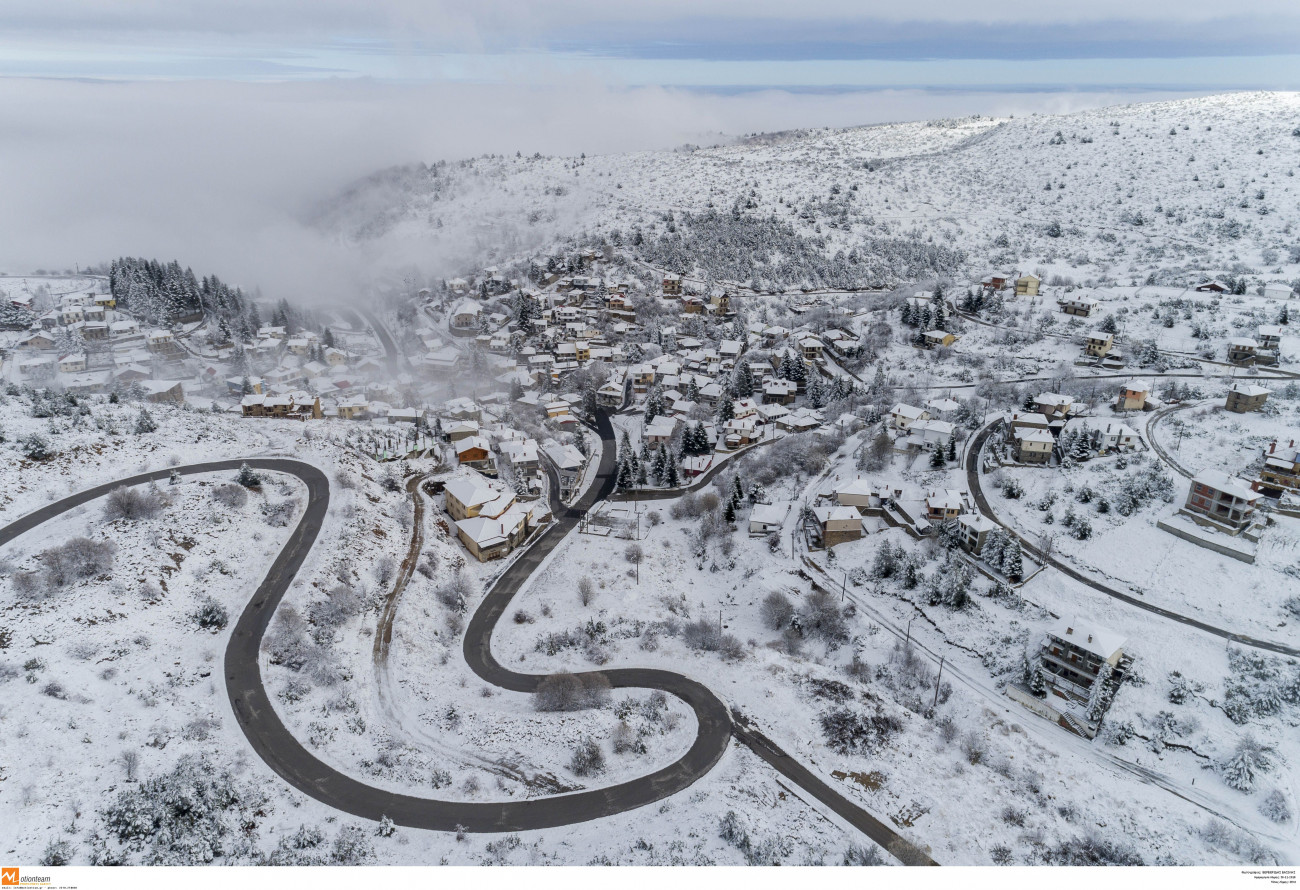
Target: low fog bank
[(224, 176)]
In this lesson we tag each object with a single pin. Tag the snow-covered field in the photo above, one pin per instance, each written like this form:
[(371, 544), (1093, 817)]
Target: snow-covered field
[(1162, 188)]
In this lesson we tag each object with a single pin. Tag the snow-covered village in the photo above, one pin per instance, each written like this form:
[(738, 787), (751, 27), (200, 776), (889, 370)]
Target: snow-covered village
[(908, 494)]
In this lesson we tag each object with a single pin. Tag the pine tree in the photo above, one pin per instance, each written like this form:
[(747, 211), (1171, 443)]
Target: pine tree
[(816, 391), (786, 371), (1101, 695), (247, 477), (654, 403), (952, 446), (1037, 685), (726, 411), (1079, 448), (936, 457), (729, 512), (798, 370), (671, 477), (144, 423), (659, 468), (1012, 562), (1239, 772), (737, 492), (743, 381)]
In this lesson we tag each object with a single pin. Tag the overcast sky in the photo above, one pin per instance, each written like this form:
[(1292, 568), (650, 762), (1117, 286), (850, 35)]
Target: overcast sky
[(201, 129)]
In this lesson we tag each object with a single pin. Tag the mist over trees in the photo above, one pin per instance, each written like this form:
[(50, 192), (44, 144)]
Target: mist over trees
[(773, 255)]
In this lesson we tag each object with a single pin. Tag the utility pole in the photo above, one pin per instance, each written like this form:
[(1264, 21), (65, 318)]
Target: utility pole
[(936, 683), (908, 641), (843, 585)]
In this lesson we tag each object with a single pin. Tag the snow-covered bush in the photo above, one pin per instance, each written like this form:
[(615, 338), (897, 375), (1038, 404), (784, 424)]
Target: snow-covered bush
[(280, 514), (352, 847), (1247, 761), (1241, 844), (187, 816), (57, 853), (1091, 849), (35, 447), (1257, 685), (588, 759), (849, 731), (211, 615), (1275, 807)]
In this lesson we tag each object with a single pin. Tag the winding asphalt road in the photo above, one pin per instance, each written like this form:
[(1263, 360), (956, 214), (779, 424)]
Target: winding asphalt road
[(973, 480), (282, 752)]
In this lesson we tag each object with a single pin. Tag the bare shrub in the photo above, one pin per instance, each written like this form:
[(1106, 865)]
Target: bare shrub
[(627, 741), (341, 604), (228, 494), (685, 507), (385, 568), (456, 592), (586, 590), (74, 560), (973, 746), (428, 565), (132, 504), (704, 635), (777, 610), (634, 554), (564, 691), (287, 642), (858, 854), (822, 617)]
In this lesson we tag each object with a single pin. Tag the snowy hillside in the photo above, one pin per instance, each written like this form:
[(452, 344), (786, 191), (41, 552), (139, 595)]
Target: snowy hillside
[(1106, 195)]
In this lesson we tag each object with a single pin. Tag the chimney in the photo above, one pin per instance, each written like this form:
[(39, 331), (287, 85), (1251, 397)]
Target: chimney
[(1272, 447), (1069, 631)]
